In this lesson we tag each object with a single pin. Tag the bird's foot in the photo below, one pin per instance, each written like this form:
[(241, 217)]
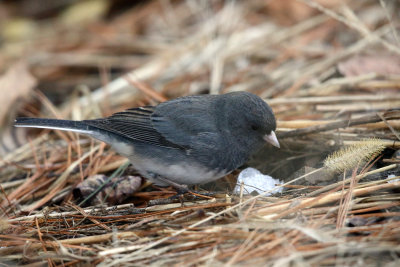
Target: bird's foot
[(184, 189)]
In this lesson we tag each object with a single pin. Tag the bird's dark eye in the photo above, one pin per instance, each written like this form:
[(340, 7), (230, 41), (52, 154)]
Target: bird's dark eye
[(254, 127)]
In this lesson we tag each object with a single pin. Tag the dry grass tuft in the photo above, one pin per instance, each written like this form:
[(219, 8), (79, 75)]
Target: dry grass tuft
[(354, 155)]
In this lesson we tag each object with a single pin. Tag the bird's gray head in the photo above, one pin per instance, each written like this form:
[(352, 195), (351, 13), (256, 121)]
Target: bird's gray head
[(250, 119)]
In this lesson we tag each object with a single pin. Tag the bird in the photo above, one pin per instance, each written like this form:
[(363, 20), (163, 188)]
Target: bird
[(184, 141)]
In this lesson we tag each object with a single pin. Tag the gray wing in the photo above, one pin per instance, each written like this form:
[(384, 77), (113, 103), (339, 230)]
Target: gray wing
[(188, 121), (184, 123), (134, 124)]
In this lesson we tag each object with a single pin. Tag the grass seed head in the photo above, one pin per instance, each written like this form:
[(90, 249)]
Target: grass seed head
[(350, 156)]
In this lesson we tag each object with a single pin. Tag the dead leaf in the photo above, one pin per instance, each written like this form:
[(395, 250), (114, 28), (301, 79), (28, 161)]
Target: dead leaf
[(16, 84), (379, 64), (114, 192)]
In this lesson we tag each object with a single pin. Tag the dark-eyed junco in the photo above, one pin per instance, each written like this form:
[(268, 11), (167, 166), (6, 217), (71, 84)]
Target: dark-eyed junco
[(188, 140)]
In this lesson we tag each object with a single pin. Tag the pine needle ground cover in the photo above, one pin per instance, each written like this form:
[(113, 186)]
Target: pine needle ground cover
[(329, 70)]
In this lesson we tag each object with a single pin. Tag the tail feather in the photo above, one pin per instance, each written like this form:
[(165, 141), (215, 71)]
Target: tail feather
[(64, 125)]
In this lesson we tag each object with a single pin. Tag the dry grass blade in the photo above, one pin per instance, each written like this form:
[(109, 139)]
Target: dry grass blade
[(389, 115)]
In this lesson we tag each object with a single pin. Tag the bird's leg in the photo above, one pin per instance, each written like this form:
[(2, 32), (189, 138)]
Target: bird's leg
[(181, 189)]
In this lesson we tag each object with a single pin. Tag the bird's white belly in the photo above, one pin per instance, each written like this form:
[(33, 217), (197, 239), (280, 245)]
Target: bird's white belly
[(181, 173)]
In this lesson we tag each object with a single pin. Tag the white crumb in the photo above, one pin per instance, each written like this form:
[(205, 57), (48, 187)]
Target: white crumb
[(254, 180), (394, 180)]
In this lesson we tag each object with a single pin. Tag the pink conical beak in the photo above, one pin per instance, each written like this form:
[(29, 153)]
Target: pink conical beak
[(271, 138)]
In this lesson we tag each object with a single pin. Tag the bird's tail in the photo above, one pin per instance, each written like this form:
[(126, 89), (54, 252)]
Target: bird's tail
[(64, 125)]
